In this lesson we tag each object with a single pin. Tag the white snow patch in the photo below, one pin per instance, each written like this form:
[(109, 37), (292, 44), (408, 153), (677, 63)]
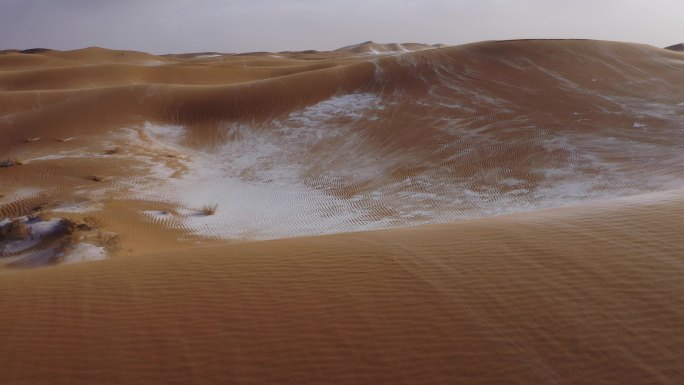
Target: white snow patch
[(84, 252), (37, 231), (164, 134), (254, 177), (259, 209), (79, 207), (352, 106), (17, 246), (152, 63), (44, 228)]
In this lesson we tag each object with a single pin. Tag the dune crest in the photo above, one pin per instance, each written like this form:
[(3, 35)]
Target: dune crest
[(677, 47)]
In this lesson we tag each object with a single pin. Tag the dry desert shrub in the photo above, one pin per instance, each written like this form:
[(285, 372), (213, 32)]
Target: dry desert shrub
[(15, 230), (39, 216), (70, 232), (90, 223), (9, 162), (110, 241), (35, 210), (112, 151), (209, 209)]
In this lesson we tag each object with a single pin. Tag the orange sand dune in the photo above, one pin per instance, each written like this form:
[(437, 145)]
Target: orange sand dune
[(592, 294), (16, 61), (97, 55), (340, 141), (527, 197)]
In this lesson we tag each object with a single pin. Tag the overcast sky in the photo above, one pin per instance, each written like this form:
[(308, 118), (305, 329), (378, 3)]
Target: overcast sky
[(164, 26)]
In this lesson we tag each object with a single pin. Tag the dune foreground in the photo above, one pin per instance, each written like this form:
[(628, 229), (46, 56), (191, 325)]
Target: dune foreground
[(526, 201), (592, 294)]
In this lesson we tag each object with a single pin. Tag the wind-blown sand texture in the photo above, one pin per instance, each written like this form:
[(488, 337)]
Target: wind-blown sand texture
[(526, 197)]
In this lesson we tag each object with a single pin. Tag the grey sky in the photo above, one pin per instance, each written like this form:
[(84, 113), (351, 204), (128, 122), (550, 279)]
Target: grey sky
[(163, 26)]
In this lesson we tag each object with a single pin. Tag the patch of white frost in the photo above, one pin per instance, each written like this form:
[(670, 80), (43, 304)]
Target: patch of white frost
[(351, 106), (37, 231), (84, 252), (254, 177), (80, 207), (43, 228)]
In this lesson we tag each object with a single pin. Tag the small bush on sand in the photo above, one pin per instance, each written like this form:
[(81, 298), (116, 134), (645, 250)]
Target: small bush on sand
[(38, 216), (14, 230), (209, 209), (110, 241), (70, 231), (96, 178), (89, 223), (9, 163), (38, 208), (113, 151), (69, 226)]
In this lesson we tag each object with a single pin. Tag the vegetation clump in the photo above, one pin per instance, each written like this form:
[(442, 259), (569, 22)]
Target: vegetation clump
[(209, 209), (15, 230), (110, 241), (89, 223), (70, 232), (9, 162), (112, 151)]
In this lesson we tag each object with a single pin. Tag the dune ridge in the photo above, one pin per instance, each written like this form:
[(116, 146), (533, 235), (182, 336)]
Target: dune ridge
[(382, 141), (676, 47)]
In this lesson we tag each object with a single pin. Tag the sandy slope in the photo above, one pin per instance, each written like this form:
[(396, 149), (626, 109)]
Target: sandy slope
[(309, 143), (592, 294), (677, 47), (112, 155)]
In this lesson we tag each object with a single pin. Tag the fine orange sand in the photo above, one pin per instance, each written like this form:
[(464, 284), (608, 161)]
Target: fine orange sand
[(526, 201)]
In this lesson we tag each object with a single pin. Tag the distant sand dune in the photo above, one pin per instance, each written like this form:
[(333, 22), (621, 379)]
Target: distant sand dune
[(677, 47)]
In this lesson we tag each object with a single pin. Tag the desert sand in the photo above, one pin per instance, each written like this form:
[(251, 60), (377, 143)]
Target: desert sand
[(497, 212), (677, 47)]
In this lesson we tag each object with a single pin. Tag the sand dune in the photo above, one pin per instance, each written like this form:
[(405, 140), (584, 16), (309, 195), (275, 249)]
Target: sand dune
[(527, 196), (345, 143), (371, 47), (677, 47), (585, 294)]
